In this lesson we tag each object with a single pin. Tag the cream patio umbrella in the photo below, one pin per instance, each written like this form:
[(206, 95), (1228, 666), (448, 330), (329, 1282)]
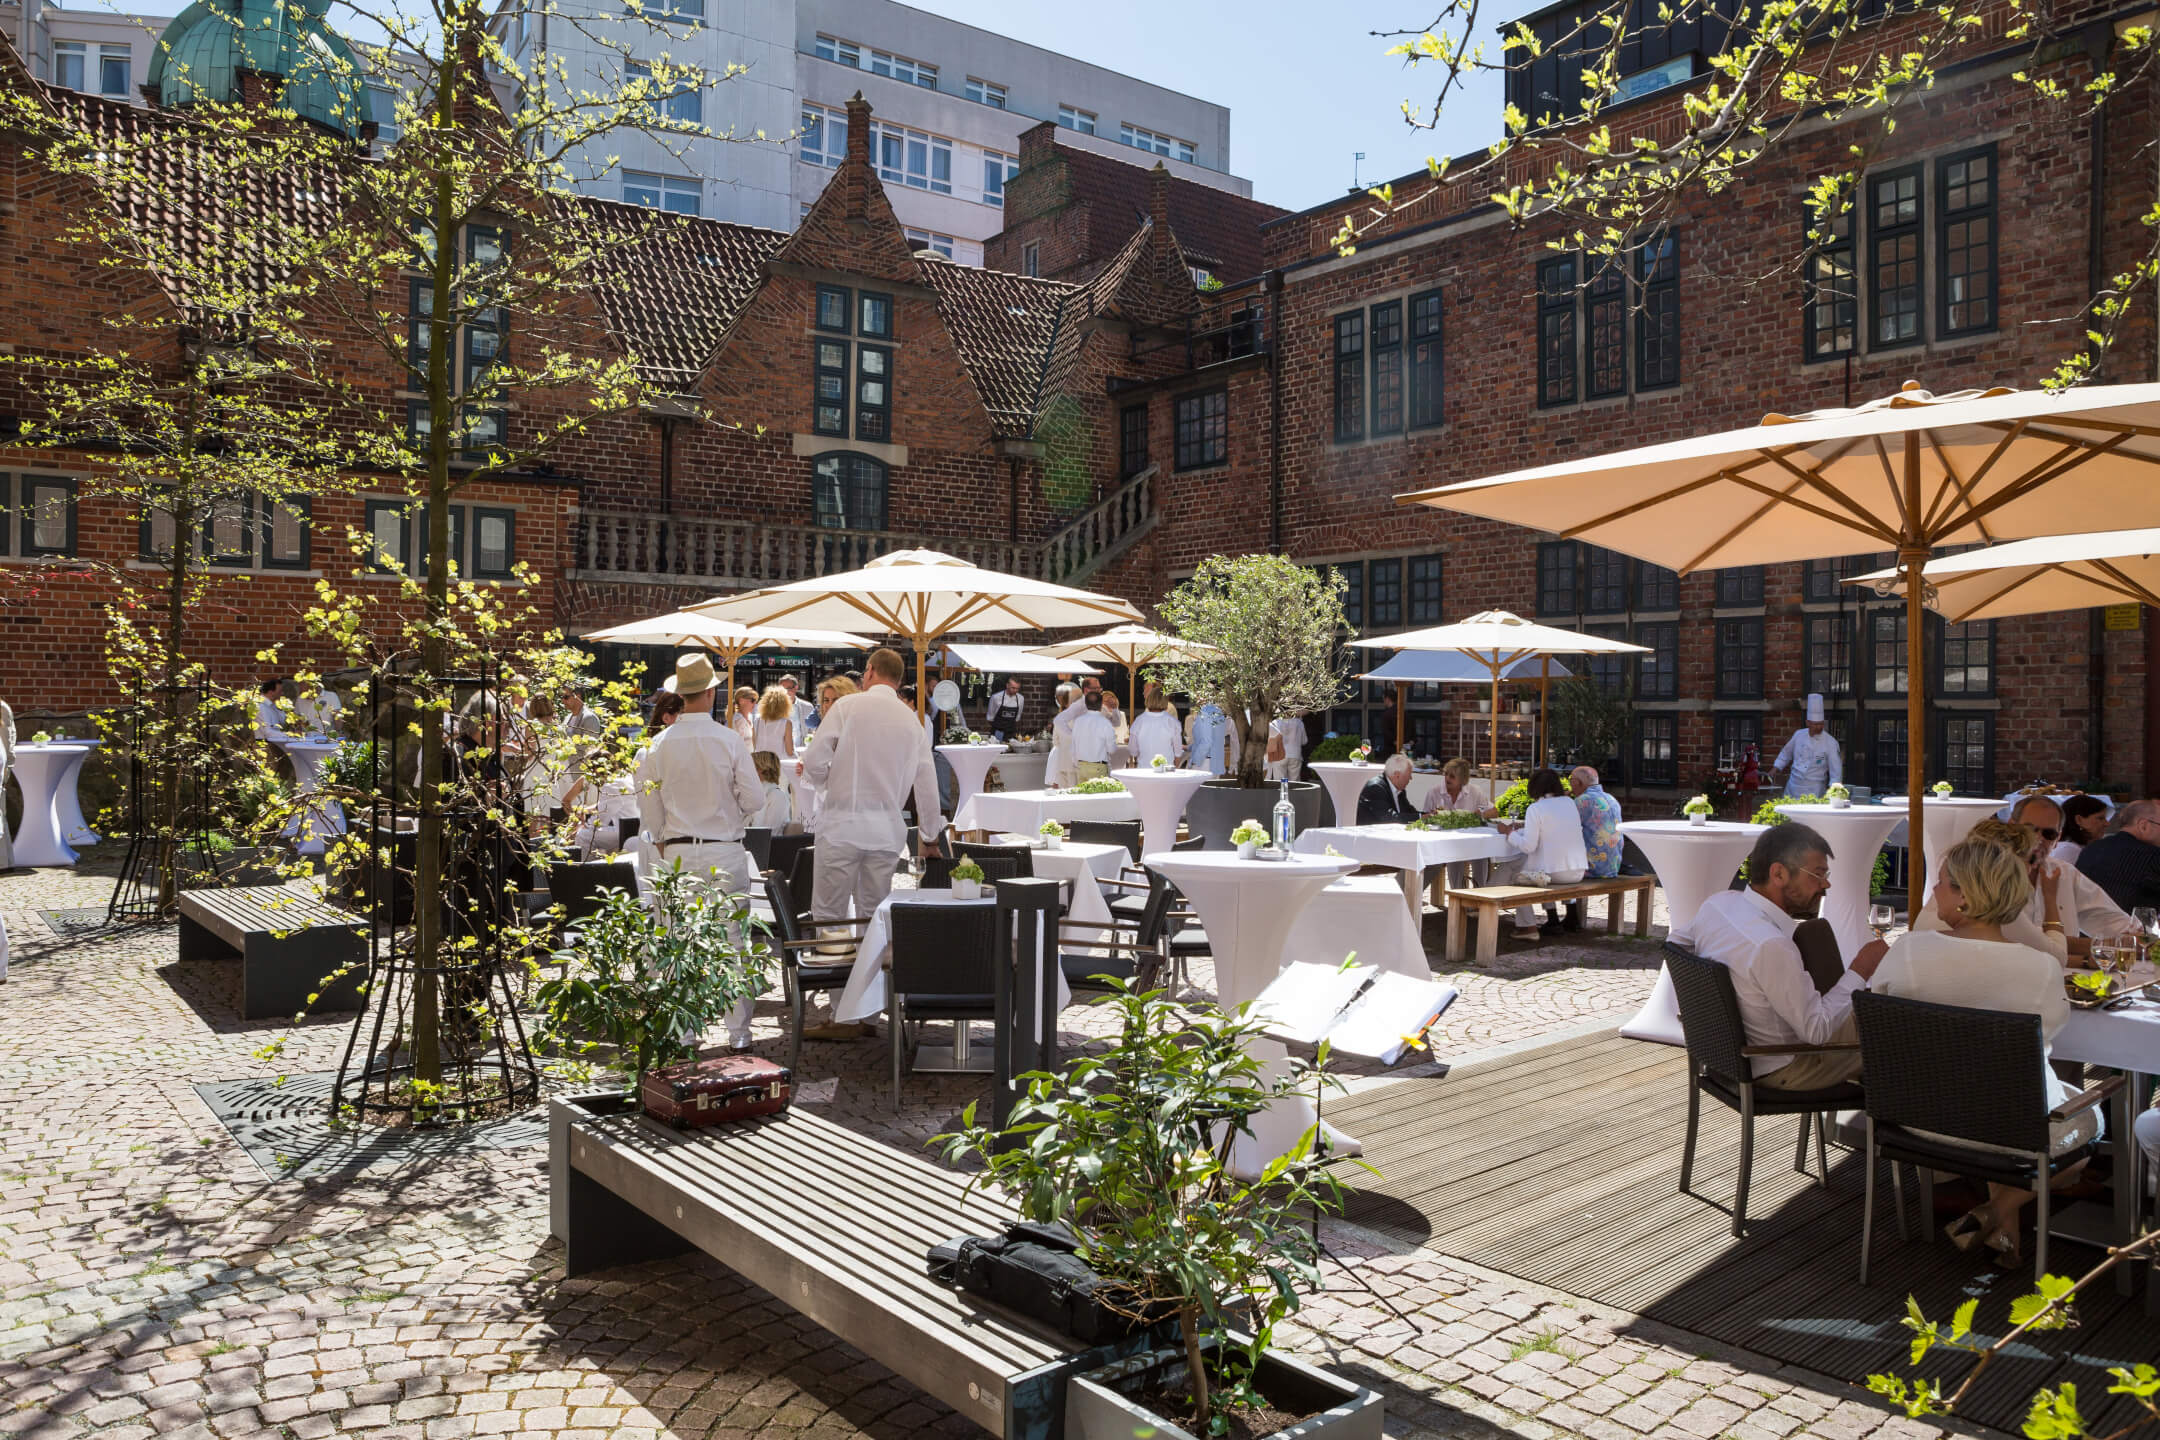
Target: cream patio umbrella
[(2031, 577), (1130, 646), (1447, 667), (724, 638), (1909, 472), (1499, 643), (922, 595)]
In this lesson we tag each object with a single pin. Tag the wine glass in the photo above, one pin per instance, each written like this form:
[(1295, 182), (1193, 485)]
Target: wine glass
[(2103, 955), (1880, 918)]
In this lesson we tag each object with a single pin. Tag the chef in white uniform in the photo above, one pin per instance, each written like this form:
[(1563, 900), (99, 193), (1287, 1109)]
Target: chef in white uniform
[(1811, 761)]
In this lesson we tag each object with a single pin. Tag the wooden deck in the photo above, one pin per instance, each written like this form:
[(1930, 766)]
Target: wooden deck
[(1561, 1165)]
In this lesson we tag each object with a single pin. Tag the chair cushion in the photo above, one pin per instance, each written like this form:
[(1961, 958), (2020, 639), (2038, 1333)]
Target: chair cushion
[(823, 977), (1772, 1101), (1081, 969), (949, 1007), (2003, 1167)]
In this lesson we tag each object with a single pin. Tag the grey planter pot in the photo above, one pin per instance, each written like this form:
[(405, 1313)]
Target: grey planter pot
[(1096, 1407), (1216, 808)]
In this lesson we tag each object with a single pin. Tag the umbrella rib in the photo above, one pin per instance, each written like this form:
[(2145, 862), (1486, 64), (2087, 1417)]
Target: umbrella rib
[(2027, 578), (1870, 525), (1777, 498), (2127, 586), (2011, 435), (1575, 531), (1957, 487), (2052, 468), (1906, 521)]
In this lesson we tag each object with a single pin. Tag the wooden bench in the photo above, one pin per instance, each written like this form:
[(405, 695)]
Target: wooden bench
[(832, 1222), (1489, 900), (289, 940)]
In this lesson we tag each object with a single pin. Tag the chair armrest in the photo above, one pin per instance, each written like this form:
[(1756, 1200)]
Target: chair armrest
[(1799, 1049), (1122, 884), (813, 943), (2079, 1104)]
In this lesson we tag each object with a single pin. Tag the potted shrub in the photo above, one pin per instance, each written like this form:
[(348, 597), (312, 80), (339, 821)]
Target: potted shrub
[(1053, 834), (1129, 1147), (648, 981), (1697, 810), (1249, 836), (967, 880), (1277, 625)]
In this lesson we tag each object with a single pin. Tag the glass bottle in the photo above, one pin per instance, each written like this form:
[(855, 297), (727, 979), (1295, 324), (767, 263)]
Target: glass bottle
[(1285, 827)]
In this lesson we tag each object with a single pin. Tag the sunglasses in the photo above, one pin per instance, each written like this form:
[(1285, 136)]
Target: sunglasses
[(2047, 832)]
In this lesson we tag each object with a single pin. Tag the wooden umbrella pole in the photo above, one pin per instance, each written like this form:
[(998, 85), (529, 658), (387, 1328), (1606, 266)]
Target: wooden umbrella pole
[(922, 673), (1493, 730), (1913, 555), (1544, 710), (1402, 703)]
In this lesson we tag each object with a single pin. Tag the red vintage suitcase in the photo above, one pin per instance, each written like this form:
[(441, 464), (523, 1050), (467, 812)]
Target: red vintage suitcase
[(716, 1091)]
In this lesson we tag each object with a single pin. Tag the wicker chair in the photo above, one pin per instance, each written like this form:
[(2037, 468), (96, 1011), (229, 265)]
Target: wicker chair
[(780, 855), (937, 870), (1020, 857), (1107, 832), (942, 966), (1718, 1065), (1970, 1079), (807, 963)]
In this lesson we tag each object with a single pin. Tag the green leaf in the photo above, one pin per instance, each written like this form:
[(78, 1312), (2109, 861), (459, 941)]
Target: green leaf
[(2054, 1415), (2028, 1309)]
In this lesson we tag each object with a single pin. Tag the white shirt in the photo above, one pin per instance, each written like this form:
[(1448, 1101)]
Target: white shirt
[(697, 783), (1156, 732), (1752, 938), (270, 720), (803, 711), (1550, 839), (1472, 796), (1093, 737), (774, 736), (867, 754), (1981, 975), (1292, 731), (1813, 763)]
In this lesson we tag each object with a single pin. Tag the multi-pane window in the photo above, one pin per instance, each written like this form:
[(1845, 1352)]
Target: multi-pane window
[(1657, 674), (1132, 441), (1350, 376), (824, 135), (832, 308), (1967, 660), (906, 71), (874, 315), (228, 531), (1556, 561), (107, 69), (1965, 272), (847, 492), (830, 359), (1425, 380), (914, 158), (1886, 653), (681, 100), (867, 386), (1604, 581), (1605, 311), (982, 92), (1833, 301), (1606, 671), (1824, 580), (397, 532), (382, 109), (997, 169), (1353, 578), (1657, 750), (1073, 118), (1968, 753), (1740, 659), (1387, 371), (1385, 600), (1656, 588), (843, 52), (873, 392), (1829, 654), (1141, 139), (1894, 273), (1031, 258), (1556, 331), (1425, 590), (930, 240), (1203, 429), (475, 350), (663, 192), (494, 549), (42, 511), (1886, 755), (1732, 736), (1657, 320), (1740, 585)]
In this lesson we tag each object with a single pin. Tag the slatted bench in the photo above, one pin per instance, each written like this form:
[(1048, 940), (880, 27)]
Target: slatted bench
[(289, 941), (1488, 901), (832, 1222)]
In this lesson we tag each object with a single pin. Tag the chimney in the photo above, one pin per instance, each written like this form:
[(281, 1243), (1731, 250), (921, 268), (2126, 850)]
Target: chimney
[(1158, 197), (858, 157)]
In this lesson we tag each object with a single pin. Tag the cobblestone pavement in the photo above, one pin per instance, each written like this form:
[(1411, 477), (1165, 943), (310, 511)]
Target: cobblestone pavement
[(154, 1280)]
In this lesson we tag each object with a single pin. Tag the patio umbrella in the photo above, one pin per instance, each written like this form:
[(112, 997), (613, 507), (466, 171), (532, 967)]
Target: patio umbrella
[(724, 638), (2031, 577), (1445, 667), (1500, 643), (1131, 646), (922, 595), (1908, 472)]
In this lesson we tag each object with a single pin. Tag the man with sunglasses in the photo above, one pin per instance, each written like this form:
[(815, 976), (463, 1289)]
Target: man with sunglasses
[(2125, 862), (2084, 908), (1750, 933)]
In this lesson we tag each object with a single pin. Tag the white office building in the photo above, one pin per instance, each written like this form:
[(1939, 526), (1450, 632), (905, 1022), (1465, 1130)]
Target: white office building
[(91, 48)]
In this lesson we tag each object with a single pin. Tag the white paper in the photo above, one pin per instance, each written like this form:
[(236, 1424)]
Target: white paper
[(1305, 999), (1380, 1022)]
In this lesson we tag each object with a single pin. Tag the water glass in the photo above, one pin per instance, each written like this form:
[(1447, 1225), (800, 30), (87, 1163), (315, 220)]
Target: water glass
[(2103, 956), (2147, 919), (1880, 918)]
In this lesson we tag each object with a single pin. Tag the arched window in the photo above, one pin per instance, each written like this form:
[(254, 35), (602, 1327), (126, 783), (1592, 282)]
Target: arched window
[(847, 491)]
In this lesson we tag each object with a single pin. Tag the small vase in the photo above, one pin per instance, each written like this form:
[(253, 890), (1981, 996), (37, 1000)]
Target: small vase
[(1841, 802), (1246, 848), (1698, 819), (967, 889), (1053, 842)]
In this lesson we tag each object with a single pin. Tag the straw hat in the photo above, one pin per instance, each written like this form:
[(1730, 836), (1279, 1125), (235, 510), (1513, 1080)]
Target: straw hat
[(693, 673)]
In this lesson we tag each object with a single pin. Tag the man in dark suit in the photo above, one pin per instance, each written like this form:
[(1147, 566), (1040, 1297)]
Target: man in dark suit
[(2125, 862), (1386, 800)]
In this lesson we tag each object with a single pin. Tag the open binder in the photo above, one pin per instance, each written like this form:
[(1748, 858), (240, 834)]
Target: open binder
[(1358, 1009)]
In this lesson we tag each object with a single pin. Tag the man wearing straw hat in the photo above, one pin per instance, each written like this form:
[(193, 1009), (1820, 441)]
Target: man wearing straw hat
[(1811, 760), (697, 789)]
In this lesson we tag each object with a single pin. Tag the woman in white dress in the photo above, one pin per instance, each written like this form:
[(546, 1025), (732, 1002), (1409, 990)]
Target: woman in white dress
[(1981, 888), (7, 763), (1548, 844)]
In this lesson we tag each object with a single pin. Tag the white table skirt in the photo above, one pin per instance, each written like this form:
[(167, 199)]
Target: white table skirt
[(1692, 862), (1362, 914), (2119, 1039), (1023, 811), (43, 771), (969, 764), (867, 990), (1084, 866), (1400, 848), (1945, 822), (1162, 795), (318, 821), (1856, 833), (67, 802), (1023, 770)]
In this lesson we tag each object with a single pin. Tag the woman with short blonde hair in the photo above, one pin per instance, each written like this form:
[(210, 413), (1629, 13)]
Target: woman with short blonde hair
[(773, 731), (2039, 925)]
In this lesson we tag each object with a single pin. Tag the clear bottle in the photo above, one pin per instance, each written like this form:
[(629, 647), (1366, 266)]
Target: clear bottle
[(1285, 828)]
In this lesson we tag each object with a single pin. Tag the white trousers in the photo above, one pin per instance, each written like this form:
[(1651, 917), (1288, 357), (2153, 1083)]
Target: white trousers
[(725, 868), (850, 875), (1505, 872)]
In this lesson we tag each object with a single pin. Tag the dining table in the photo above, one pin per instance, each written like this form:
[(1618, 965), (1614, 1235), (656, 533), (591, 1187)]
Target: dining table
[(1693, 862), (1344, 779), (1162, 795), (970, 763), (867, 991), (1400, 848), (1023, 811), (2126, 1038), (44, 769), (1249, 909)]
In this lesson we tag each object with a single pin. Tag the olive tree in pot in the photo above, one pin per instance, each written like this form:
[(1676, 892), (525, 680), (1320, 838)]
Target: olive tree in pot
[(1277, 624), (1130, 1147)]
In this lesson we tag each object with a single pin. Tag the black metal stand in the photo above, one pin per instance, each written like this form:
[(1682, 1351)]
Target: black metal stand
[(137, 896), (1026, 988)]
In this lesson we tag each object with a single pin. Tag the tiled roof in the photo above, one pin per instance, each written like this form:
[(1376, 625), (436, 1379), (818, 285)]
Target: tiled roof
[(1216, 228), (1146, 281), (1007, 329)]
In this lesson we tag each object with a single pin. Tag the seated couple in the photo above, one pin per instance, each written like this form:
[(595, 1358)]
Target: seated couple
[(1982, 886)]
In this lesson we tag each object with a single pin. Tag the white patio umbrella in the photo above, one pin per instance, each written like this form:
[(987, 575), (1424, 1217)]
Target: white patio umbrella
[(1499, 643), (1910, 472), (1130, 646), (1446, 667), (724, 638), (2031, 577), (921, 595)]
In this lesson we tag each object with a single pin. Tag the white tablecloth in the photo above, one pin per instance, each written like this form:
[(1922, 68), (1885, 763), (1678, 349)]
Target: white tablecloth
[(316, 822), (1692, 862), (1855, 834), (1946, 822), (1249, 908), (1162, 795), (1344, 779), (866, 992), (969, 764), (1023, 811), (67, 803), (1023, 770), (2126, 1039), (1400, 848), (43, 771), (1084, 866), (1361, 914)]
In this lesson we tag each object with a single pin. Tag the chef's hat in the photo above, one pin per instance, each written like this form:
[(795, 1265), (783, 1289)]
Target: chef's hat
[(1814, 709)]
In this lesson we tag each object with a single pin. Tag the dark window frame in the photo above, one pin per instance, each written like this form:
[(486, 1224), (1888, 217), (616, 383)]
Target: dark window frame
[(1388, 399), (1552, 557), (26, 486), (404, 510), (1830, 263), (1424, 594), (1656, 587), (1734, 677), (1392, 619), (1828, 675), (851, 487), (1132, 441), (1739, 586), (1966, 781), (1660, 773), (873, 422), (844, 372), (1426, 400), (1353, 575), (1982, 633), (508, 515), (1899, 654), (1207, 449), (1946, 220), (847, 310), (1887, 752), (1608, 671), (1657, 674), (864, 299), (301, 505), (1657, 315), (1605, 307), (1558, 364), (1608, 596), (1916, 229), (1348, 352), (1749, 724), (243, 558)]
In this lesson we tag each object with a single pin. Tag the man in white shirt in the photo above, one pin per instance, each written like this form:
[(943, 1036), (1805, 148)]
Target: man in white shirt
[(1750, 933), (271, 716), (802, 709), (869, 752), (1287, 735), (1094, 739), (1061, 729), (697, 789)]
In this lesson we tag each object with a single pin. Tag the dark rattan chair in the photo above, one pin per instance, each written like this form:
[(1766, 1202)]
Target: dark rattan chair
[(942, 966), (578, 888), (780, 855), (1106, 832), (1020, 857), (808, 963), (937, 870), (1136, 953), (1135, 884), (1718, 1065), (1969, 1079), (757, 839), (801, 873)]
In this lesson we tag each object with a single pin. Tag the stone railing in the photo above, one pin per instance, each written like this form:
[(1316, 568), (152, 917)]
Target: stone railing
[(748, 554)]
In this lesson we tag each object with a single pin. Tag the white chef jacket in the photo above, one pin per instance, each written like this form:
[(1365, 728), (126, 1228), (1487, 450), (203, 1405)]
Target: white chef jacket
[(868, 752), (696, 782), (1812, 763), (1093, 737), (1752, 939)]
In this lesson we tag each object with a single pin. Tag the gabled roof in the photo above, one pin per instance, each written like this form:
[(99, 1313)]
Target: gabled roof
[(1007, 329), (1148, 281)]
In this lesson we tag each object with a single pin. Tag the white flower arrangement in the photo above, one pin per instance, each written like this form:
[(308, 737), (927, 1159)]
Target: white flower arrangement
[(1249, 832), (1051, 827), (1699, 805), (1943, 789), (43, 737), (1839, 792), (1159, 764)]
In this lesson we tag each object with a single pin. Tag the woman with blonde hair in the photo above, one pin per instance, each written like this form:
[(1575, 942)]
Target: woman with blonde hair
[(774, 729), (1981, 890), (1155, 731), (2039, 921), (742, 713)]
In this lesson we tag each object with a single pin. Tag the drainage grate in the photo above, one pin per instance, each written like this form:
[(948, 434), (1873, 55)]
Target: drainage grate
[(75, 922), (286, 1130)]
